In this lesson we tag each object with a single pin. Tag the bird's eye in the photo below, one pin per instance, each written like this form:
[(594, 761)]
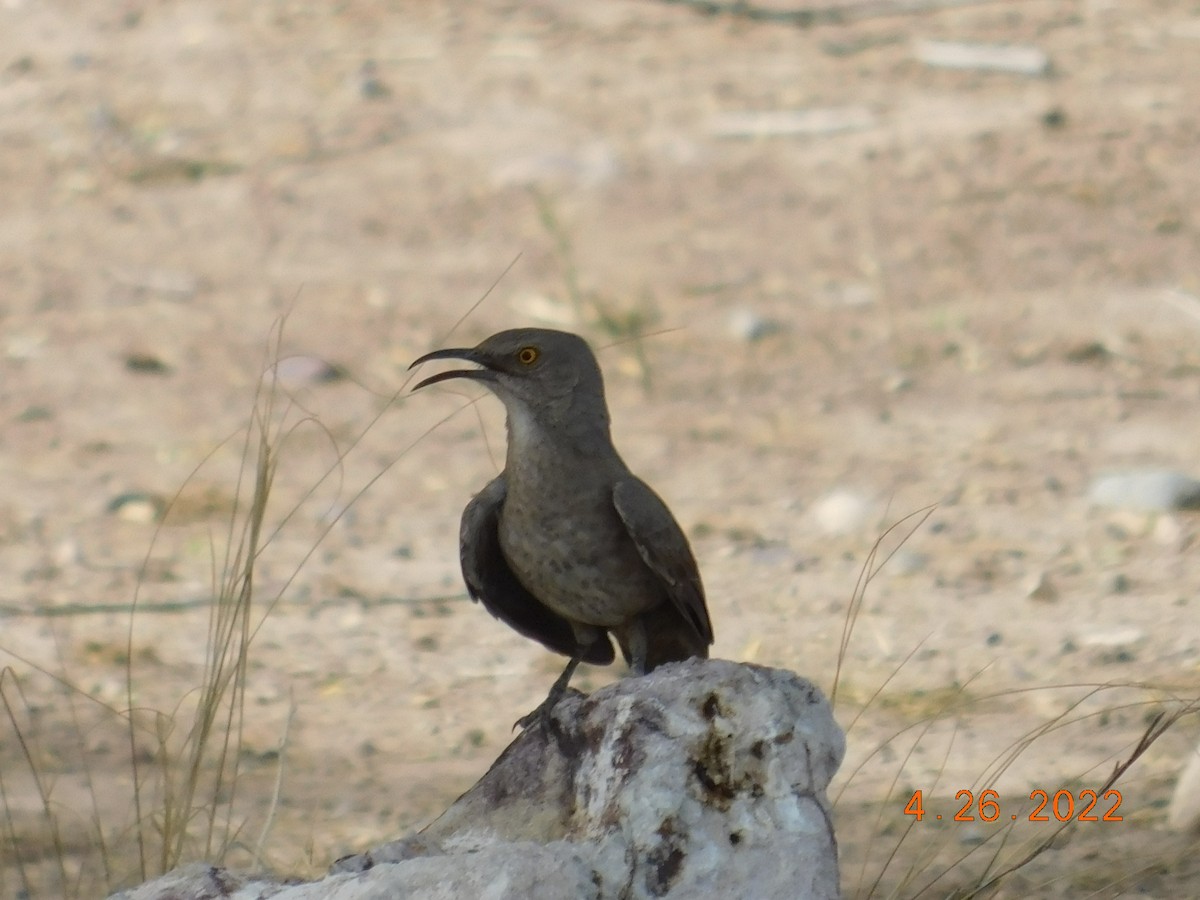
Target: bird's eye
[(527, 356)]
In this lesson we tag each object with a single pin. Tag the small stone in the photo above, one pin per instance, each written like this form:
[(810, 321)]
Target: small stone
[(747, 325), (146, 364), (841, 511), (1011, 58), (137, 506), (1113, 637), (1145, 491), (370, 85), (1041, 589), (297, 370), (1054, 118), (1087, 352)]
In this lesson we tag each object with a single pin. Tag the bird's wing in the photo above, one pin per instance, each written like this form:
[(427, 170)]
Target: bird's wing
[(490, 580), (661, 544)]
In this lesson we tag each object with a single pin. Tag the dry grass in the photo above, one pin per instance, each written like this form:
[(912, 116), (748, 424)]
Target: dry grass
[(919, 859)]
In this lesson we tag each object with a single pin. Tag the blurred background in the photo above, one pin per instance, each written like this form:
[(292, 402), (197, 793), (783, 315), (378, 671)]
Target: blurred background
[(842, 262)]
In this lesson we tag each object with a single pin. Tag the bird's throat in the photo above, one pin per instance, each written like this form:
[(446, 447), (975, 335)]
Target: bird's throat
[(566, 437)]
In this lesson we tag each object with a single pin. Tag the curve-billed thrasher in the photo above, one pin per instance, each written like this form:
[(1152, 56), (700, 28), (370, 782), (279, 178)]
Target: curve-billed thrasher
[(566, 545)]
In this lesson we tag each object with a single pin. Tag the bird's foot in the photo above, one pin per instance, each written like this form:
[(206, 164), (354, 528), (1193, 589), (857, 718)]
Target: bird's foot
[(543, 715), (540, 717)]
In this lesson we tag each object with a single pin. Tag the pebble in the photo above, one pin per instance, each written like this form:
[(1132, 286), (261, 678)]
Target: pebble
[(1040, 588), (1146, 490), (146, 364), (370, 85), (1015, 59), (295, 370), (1113, 637), (137, 506), (841, 511), (749, 326)]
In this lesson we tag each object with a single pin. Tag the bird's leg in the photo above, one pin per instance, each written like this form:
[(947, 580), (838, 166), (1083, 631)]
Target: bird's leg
[(636, 635), (585, 637), (541, 715)]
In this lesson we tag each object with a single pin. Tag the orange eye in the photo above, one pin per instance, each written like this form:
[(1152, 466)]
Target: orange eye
[(527, 355)]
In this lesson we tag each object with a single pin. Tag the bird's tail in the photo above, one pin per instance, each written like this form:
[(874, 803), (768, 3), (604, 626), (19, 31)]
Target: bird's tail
[(669, 638)]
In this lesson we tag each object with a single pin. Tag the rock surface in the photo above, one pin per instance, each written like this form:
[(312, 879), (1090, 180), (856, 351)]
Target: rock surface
[(703, 779)]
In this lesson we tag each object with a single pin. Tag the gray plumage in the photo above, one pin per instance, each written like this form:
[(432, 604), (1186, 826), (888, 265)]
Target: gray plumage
[(566, 545)]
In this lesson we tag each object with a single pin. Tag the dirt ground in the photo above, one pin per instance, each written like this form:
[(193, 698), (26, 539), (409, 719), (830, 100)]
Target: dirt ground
[(976, 296)]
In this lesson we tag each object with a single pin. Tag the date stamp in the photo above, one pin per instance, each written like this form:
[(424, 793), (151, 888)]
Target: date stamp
[(1062, 806)]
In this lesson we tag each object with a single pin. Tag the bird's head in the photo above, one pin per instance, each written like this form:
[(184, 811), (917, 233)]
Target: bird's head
[(548, 379)]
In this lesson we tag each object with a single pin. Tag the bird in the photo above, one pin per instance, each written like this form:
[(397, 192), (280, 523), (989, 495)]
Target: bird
[(566, 545)]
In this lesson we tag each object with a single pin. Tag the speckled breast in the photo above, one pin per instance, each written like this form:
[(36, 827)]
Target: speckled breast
[(576, 557)]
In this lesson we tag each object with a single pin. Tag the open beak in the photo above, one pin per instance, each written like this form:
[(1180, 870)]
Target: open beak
[(470, 355)]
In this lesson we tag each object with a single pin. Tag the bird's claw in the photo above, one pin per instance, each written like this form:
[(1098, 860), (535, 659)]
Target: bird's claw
[(540, 717)]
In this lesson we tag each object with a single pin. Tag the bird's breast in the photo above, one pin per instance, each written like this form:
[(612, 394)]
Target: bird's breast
[(563, 539)]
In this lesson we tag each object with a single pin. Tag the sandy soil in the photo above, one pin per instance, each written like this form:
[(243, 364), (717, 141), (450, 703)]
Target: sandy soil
[(967, 300)]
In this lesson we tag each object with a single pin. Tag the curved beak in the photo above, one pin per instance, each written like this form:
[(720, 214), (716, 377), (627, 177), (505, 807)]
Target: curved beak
[(468, 354)]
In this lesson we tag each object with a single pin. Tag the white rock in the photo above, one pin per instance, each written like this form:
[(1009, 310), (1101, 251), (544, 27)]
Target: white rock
[(703, 779), (1146, 490), (841, 511)]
